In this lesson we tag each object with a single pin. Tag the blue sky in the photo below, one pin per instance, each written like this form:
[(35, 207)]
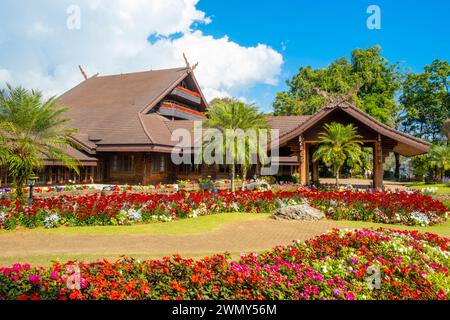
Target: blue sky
[(317, 32), (246, 49)]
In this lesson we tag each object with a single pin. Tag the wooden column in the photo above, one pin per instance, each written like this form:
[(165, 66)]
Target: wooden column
[(92, 177), (302, 161), (144, 169), (315, 172), (378, 164), (307, 147)]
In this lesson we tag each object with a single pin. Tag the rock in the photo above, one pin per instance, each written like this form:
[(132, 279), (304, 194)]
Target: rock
[(257, 185), (300, 212)]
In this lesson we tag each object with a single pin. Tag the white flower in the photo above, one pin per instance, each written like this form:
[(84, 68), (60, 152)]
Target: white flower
[(134, 215), (2, 217), (51, 221), (421, 218)]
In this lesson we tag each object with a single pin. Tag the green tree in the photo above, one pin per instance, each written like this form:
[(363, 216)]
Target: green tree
[(439, 158), (228, 116), (31, 131), (420, 166), (426, 101), (338, 144), (375, 79), (446, 129)]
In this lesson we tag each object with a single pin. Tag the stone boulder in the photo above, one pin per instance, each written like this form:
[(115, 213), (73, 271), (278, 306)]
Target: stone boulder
[(299, 212)]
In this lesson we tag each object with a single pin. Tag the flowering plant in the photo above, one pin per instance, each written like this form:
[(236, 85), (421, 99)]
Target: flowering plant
[(336, 265), (102, 209)]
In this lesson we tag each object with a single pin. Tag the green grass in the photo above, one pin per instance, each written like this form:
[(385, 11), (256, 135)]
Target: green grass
[(440, 229), (48, 260), (442, 188), (179, 227)]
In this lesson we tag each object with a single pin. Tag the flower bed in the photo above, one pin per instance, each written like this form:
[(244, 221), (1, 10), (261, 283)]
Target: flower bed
[(52, 189), (121, 208), (337, 265)]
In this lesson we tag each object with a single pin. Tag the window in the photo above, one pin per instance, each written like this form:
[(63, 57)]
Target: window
[(123, 163), (158, 163)]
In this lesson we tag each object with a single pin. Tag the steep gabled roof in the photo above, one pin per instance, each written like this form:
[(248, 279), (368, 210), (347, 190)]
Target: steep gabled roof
[(109, 110)]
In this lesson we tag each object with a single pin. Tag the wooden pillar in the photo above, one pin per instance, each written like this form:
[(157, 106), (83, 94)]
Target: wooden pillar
[(144, 169), (315, 172), (302, 162), (92, 178), (378, 164), (50, 176), (258, 168), (307, 147)]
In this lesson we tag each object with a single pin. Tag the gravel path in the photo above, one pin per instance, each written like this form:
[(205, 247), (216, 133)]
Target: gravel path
[(233, 237)]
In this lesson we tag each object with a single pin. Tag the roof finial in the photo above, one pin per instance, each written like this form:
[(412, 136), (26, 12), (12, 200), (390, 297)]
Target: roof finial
[(187, 62), (83, 73), (334, 100), (194, 66)]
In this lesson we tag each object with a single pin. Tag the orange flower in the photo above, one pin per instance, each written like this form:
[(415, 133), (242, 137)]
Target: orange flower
[(194, 278), (130, 285)]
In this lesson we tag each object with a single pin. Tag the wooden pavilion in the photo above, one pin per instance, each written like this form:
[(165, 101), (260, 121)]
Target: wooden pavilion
[(299, 140)]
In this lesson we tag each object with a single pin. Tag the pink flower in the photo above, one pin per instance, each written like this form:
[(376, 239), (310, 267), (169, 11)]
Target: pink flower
[(34, 279), (7, 271), (350, 296), (15, 278), (26, 266), (55, 275), (17, 267)]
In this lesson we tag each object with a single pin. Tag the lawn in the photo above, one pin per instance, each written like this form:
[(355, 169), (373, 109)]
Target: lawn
[(440, 229), (185, 229), (442, 188), (179, 227)]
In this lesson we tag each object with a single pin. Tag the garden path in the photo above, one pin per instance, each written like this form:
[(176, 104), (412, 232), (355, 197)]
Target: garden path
[(233, 237)]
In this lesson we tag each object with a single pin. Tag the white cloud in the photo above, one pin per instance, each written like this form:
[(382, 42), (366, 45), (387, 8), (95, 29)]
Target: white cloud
[(4, 76), (39, 51)]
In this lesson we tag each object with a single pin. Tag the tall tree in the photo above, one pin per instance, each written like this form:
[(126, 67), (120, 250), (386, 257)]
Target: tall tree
[(426, 101), (31, 131), (376, 79), (338, 144), (228, 116)]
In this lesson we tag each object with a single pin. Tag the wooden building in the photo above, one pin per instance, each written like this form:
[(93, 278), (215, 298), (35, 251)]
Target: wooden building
[(125, 123), (299, 137)]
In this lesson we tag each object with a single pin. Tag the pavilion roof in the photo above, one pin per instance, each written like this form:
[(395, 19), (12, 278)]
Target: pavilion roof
[(407, 145)]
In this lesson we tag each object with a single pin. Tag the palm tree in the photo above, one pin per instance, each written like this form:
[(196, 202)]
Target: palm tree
[(228, 116), (246, 155), (439, 158), (338, 144), (31, 131)]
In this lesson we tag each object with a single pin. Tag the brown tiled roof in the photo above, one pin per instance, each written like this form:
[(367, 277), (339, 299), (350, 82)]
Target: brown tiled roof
[(81, 156), (286, 123), (107, 109), (111, 113), (407, 144), (157, 128)]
